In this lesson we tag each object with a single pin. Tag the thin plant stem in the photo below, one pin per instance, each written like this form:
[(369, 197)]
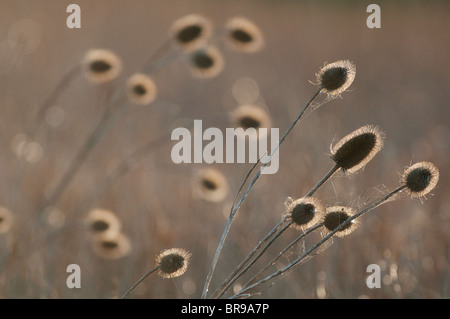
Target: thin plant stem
[(323, 240), (281, 253), (235, 209), (94, 138), (268, 242), (236, 272), (148, 273)]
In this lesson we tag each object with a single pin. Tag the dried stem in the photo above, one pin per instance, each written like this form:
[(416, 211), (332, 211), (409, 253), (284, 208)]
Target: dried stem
[(244, 196), (318, 244), (148, 273)]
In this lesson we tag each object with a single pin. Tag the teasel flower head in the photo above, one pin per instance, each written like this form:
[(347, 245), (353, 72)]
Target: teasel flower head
[(336, 77), (304, 212), (102, 221), (207, 62), (211, 185), (111, 246), (6, 220), (141, 89), (251, 116), (191, 32), (356, 149), (243, 35), (172, 262), (335, 216), (101, 65), (420, 179)]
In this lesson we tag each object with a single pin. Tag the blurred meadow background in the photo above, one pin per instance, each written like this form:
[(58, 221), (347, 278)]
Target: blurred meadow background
[(402, 85)]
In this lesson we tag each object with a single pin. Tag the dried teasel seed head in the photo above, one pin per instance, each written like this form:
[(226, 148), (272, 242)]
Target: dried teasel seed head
[(335, 216), (102, 221), (191, 32), (210, 185), (111, 246), (356, 149), (141, 89), (243, 35), (336, 77), (172, 262), (251, 116), (420, 179), (6, 220), (304, 212), (207, 62), (101, 65)]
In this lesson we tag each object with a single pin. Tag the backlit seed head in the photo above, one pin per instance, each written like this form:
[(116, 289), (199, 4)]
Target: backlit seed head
[(172, 262), (102, 221), (356, 149), (244, 36), (420, 179), (210, 185), (335, 78), (251, 116), (206, 63), (191, 32), (304, 212), (141, 89), (335, 216), (111, 246), (101, 66), (6, 220)]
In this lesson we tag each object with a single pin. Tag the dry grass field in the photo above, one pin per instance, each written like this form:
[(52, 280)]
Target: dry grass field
[(402, 85)]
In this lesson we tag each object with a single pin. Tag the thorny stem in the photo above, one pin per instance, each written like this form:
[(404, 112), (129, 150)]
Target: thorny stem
[(244, 196), (148, 273), (319, 243)]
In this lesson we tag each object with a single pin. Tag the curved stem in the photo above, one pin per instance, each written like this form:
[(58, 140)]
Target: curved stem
[(244, 196), (148, 273), (319, 243)]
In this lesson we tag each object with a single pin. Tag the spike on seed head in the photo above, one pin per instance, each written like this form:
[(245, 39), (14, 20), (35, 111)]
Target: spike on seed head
[(420, 179), (191, 32), (244, 36), (101, 65), (336, 77), (172, 262), (304, 212), (356, 149), (335, 216), (141, 89), (206, 63)]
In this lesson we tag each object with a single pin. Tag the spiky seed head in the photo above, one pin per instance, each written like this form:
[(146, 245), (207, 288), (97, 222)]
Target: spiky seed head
[(6, 220), (101, 221), (191, 32), (356, 149), (210, 185), (141, 89), (111, 246), (101, 65), (420, 179), (335, 216), (304, 212), (336, 77), (243, 35), (172, 262), (207, 62), (251, 116)]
